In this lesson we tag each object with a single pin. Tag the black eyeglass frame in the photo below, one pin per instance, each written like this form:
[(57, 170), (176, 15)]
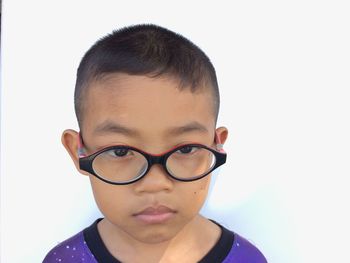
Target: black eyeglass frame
[(86, 162)]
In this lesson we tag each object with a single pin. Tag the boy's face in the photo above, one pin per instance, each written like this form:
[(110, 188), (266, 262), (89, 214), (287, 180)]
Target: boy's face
[(151, 114)]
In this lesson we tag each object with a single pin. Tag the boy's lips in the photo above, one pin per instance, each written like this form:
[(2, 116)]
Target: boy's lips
[(155, 214)]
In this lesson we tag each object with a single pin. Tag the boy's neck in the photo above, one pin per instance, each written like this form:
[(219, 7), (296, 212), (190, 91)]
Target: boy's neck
[(192, 243)]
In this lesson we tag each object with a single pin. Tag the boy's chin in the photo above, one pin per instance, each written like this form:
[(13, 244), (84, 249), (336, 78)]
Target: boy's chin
[(162, 233), (155, 234)]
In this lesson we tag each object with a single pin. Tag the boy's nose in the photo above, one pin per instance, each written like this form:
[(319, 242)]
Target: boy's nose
[(155, 180)]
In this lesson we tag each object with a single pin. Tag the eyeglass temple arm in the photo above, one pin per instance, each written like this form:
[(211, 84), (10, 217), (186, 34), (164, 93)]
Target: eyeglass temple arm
[(81, 150), (219, 145)]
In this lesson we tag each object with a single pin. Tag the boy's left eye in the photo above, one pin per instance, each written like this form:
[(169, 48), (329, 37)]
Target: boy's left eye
[(120, 152), (187, 149)]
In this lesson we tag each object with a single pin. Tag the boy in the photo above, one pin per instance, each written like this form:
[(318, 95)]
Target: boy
[(147, 101)]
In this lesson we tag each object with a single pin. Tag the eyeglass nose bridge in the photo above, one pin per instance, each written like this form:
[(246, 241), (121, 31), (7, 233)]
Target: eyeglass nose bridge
[(156, 160)]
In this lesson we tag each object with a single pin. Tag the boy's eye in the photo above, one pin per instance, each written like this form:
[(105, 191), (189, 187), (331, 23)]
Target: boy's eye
[(120, 152), (187, 149)]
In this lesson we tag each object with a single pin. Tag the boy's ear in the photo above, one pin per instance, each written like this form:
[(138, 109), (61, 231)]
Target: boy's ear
[(221, 135), (70, 139)]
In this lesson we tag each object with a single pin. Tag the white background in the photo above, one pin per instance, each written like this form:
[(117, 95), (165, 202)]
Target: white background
[(283, 69)]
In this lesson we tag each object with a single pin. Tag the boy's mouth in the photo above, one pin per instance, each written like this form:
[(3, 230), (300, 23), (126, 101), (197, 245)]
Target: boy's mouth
[(155, 214)]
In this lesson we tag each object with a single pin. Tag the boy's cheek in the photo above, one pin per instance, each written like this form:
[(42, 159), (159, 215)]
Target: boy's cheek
[(108, 196), (203, 185), (198, 192)]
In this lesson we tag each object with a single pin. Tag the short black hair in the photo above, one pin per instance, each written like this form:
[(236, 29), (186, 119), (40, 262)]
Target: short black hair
[(150, 50)]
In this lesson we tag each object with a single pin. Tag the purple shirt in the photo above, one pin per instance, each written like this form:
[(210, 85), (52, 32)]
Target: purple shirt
[(76, 249)]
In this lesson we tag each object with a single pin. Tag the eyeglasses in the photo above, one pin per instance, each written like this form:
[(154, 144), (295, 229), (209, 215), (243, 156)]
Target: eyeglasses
[(122, 164)]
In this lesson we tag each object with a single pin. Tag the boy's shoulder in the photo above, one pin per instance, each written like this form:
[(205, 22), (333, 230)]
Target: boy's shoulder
[(235, 248), (243, 251), (74, 249)]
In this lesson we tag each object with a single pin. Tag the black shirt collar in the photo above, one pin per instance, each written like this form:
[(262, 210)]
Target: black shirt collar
[(217, 254)]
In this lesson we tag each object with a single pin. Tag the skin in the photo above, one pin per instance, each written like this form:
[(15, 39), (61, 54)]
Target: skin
[(151, 112)]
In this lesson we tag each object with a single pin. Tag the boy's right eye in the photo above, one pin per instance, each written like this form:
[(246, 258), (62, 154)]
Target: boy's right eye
[(119, 152)]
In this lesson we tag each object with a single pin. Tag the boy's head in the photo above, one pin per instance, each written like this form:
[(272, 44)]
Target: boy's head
[(153, 90), (146, 50)]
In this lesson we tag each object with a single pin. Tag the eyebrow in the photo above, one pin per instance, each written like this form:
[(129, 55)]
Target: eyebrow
[(193, 126), (112, 127)]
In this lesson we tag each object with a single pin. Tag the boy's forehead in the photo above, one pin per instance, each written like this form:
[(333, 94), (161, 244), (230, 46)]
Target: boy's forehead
[(117, 82), (133, 100)]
